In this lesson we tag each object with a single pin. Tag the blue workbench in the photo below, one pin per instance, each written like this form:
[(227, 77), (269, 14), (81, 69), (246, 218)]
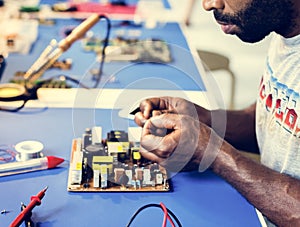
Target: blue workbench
[(198, 199), (181, 72)]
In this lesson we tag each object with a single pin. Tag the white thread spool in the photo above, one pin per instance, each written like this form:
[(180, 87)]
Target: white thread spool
[(29, 149)]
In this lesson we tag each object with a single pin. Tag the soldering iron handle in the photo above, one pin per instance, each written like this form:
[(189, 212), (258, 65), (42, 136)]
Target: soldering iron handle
[(79, 32)]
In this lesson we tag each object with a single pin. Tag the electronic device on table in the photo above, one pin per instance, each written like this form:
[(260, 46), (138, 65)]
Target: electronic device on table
[(130, 49), (112, 165)]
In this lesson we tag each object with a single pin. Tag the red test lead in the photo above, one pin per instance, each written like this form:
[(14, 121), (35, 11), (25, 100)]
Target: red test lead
[(35, 201)]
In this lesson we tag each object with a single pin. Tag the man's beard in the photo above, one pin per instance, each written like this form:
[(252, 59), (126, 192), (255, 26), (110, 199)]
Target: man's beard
[(260, 18)]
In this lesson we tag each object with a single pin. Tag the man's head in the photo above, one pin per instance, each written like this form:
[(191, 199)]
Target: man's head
[(252, 20)]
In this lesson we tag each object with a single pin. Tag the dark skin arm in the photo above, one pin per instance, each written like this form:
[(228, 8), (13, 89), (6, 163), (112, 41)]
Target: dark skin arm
[(276, 195), (243, 122)]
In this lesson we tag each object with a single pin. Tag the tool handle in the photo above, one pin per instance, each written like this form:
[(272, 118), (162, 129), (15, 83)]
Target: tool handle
[(78, 32)]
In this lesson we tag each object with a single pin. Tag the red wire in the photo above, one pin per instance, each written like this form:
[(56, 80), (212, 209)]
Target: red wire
[(166, 216)]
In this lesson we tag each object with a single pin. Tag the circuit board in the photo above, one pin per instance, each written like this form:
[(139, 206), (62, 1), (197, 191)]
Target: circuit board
[(130, 49), (112, 165)]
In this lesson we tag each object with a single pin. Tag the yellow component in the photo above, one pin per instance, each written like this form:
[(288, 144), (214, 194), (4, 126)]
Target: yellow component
[(102, 159), (96, 166), (103, 168), (78, 166), (136, 155), (117, 147)]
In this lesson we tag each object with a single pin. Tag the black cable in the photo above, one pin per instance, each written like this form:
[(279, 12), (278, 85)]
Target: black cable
[(152, 205), (31, 93), (13, 110), (105, 44)]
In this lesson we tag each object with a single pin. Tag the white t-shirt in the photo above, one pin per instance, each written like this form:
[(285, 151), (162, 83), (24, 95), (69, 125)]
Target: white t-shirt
[(278, 107)]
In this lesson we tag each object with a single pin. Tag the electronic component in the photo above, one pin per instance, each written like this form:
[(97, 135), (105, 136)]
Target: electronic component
[(113, 164), (59, 82)]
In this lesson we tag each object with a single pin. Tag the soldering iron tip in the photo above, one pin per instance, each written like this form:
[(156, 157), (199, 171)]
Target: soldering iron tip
[(46, 188)]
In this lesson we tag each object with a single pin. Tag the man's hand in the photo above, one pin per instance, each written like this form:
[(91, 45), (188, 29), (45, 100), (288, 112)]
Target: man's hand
[(156, 106), (177, 142)]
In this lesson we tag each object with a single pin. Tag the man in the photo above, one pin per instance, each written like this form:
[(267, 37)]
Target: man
[(271, 126)]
